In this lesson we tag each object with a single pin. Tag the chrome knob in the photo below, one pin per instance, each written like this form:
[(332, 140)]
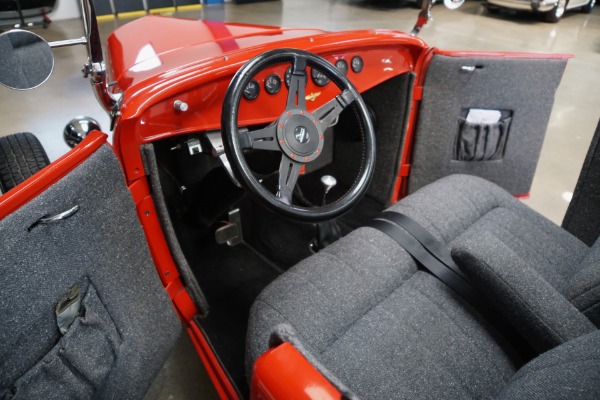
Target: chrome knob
[(329, 182), (179, 105)]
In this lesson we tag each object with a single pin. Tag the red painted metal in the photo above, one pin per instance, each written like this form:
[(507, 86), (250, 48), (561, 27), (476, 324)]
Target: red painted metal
[(32, 187), (214, 369), (165, 266), (188, 64), (284, 373)]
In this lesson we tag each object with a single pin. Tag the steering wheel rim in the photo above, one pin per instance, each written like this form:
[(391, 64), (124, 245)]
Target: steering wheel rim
[(279, 135)]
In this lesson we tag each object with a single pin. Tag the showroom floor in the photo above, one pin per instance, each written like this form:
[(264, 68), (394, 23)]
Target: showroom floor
[(46, 110)]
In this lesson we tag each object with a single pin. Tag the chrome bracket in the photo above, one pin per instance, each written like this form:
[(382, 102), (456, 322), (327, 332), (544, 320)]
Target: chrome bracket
[(218, 150), (231, 232)]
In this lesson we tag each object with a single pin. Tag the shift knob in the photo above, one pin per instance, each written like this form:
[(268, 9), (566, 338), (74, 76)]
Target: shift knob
[(329, 182)]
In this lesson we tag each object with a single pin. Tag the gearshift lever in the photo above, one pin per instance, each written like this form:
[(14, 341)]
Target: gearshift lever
[(329, 182), (328, 231)]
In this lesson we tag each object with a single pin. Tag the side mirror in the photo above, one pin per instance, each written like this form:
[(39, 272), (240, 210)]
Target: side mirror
[(26, 60)]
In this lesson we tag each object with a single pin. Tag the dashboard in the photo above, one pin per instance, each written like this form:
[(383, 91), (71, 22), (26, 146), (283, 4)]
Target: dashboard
[(264, 98)]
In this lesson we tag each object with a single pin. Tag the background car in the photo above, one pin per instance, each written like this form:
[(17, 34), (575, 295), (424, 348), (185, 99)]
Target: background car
[(550, 10)]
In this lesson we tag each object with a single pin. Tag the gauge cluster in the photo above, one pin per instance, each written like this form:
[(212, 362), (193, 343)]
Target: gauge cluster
[(265, 96), (272, 82)]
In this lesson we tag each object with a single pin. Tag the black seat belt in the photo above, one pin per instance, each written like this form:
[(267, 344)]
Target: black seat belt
[(434, 257)]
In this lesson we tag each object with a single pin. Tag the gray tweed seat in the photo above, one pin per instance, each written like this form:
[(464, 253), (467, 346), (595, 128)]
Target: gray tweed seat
[(363, 310)]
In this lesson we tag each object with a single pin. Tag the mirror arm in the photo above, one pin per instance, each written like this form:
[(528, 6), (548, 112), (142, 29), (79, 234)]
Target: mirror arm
[(423, 18), (68, 42), (95, 67), (425, 13)]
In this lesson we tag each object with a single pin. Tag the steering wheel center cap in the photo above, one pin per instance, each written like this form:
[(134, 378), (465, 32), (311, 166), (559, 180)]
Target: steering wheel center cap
[(299, 135)]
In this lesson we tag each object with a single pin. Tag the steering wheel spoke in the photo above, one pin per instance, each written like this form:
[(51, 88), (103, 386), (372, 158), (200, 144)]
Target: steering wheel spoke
[(298, 80), (289, 171), (330, 111), (261, 139)]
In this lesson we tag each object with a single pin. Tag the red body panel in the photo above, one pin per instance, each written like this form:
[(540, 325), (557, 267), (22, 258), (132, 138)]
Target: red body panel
[(283, 373), (199, 73)]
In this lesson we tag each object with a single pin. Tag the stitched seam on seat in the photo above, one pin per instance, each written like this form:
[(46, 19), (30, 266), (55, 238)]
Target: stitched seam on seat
[(459, 327), (284, 318), (339, 334), (516, 295), (563, 364), (595, 287), (377, 250), (536, 250), (420, 331)]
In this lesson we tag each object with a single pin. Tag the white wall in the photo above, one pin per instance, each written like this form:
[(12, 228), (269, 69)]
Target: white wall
[(65, 9)]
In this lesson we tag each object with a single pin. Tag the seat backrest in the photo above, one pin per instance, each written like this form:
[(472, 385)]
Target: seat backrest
[(583, 289), (569, 371)]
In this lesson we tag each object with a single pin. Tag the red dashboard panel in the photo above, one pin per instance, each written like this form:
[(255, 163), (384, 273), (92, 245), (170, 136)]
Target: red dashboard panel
[(205, 101)]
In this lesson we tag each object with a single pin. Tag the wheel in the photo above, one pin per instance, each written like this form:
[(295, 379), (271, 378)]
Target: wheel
[(21, 156), (298, 134), (557, 12), (588, 7)]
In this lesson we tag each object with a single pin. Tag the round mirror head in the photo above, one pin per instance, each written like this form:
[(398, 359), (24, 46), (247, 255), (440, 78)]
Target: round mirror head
[(78, 128), (26, 60), (453, 4)]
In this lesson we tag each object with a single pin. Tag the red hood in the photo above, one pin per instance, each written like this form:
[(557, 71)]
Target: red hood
[(154, 45)]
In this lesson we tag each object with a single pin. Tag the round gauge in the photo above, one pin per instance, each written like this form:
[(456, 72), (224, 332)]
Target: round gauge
[(357, 64), (273, 84), (342, 65), (319, 78), (252, 90)]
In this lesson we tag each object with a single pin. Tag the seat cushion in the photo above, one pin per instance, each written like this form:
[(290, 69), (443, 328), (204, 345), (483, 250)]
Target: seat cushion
[(583, 287), (387, 330), (543, 316), (569, 371), (451, 206), (364, 311)]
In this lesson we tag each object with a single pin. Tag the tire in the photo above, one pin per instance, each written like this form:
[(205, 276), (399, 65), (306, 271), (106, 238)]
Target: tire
[(557, 12), (588, 7), (21, 156)]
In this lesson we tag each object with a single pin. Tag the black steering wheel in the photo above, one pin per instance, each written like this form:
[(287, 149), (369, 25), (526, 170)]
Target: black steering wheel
[(297, 134)]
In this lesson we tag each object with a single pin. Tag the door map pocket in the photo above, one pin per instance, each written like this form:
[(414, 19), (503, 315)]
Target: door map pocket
[(482, 135), (78, 364)]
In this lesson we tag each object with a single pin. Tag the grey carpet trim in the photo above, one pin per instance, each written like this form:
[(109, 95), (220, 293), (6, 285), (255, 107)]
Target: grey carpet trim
[(448, 92), (102, 243), (186, 274)]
